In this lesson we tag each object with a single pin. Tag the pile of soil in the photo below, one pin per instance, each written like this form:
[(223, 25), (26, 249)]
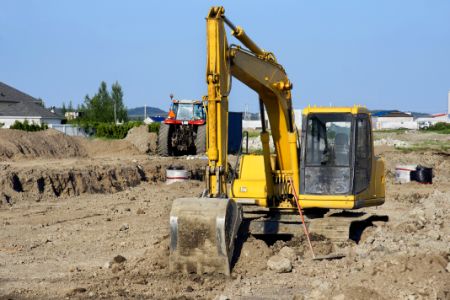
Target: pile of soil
[(439, 161), (143, 140), (18, 144), (46, 179), (107, 148)]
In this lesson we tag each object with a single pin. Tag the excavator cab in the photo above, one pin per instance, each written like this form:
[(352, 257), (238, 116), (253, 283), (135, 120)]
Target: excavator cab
[(338, 168)]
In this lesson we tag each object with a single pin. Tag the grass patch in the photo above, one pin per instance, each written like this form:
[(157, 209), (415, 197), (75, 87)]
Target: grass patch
[(443, 131), (440, 127), (252, 133), (27, 126), (397, 131), (427, 146), (154, 127)]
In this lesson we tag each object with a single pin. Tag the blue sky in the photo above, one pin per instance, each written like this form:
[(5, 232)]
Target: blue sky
[(382, 53)]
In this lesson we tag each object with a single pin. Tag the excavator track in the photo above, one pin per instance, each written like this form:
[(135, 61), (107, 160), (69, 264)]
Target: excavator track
[(338, 227), (342, 226)]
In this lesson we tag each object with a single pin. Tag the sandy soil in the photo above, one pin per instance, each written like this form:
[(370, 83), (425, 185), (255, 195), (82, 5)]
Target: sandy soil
[(104, 234)]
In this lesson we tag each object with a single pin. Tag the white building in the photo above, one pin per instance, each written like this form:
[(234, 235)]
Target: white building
[(437, 118), (18, 106), (148, 120), (393, 120), (72, 115), (256, 124)]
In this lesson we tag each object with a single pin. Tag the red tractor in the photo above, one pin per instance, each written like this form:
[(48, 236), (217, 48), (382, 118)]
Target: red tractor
[(184, 129)]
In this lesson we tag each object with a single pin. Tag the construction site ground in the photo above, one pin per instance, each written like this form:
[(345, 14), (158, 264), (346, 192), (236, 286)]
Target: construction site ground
[(87, 219)]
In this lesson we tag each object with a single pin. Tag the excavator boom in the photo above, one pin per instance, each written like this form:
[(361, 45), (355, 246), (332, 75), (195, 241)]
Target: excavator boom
[(215, 219)]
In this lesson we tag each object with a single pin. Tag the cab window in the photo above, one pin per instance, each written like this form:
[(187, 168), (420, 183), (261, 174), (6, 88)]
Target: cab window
[(328, 140), (363, 153)]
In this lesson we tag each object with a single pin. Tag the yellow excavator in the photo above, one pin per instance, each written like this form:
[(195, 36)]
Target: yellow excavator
[(330, 170)]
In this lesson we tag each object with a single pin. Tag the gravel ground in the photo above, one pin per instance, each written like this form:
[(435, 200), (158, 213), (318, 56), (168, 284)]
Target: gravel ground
[(113, 243)]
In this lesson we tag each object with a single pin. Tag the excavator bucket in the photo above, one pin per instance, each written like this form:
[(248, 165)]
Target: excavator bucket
[(202, 234)]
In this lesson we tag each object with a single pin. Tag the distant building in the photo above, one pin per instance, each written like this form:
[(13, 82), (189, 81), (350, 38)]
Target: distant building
[(437, 118), (251, 124), (18, 106), (256, 123), (433, 119), (72, 115), (393, 120), (148, 120)]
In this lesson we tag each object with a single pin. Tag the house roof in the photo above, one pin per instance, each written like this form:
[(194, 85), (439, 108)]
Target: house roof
[(398, 114), (382, 113), (391, 114), (14, 103), (438, 115)]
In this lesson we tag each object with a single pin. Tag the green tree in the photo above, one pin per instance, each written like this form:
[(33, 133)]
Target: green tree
[(100, 108), (70, 107), (63, 108), (41, 102), (117, 98)]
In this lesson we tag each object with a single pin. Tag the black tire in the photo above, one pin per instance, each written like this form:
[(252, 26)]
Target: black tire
[(164, 143), (200, 140)]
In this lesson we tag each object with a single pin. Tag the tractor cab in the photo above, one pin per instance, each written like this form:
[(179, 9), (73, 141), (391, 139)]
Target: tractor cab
[(184, 129), (188, 111)]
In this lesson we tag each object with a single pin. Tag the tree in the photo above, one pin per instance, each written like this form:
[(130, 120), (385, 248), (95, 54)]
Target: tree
[(100, 108), (41, 102), (117, 97), (63, 109), (70, 107)]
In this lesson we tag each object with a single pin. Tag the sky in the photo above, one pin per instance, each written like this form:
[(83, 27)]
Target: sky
[(380, 53)]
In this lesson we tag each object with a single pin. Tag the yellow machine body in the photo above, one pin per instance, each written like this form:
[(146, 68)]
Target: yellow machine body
[(203, 229), (251, 182)]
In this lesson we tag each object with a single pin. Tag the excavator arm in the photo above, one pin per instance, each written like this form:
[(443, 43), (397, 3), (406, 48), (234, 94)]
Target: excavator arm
[(260, 71), (203, 230)]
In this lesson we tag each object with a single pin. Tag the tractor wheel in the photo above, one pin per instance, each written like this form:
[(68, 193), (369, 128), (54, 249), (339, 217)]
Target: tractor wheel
[(164, 140), (200, 140)]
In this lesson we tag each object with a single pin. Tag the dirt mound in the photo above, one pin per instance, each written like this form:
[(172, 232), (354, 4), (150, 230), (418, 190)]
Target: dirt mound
[(143, 140), (134, 277), (38, 184), (41, 180), (320, 244), (439, 161), (253, 257), (107, 148), (52, 144), (17, 144)]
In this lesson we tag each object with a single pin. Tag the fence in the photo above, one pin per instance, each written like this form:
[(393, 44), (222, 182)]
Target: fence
[(69, 129)]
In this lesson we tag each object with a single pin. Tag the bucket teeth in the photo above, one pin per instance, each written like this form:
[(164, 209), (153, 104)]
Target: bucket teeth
[(202, 234)]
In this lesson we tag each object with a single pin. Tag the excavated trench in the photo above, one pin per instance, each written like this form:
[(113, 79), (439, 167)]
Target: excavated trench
[(36, 184)]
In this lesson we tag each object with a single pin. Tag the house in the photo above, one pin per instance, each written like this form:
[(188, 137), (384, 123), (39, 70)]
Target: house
[(18, 106), (393, 120), (148, 120), (437, 118), (433, 119), (72, 115)]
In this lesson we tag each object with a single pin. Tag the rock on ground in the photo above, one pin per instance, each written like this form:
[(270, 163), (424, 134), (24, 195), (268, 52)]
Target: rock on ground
[(279, 264)]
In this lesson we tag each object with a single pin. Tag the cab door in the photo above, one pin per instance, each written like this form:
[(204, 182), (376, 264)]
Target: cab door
[(326, 166), (363, 153)]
